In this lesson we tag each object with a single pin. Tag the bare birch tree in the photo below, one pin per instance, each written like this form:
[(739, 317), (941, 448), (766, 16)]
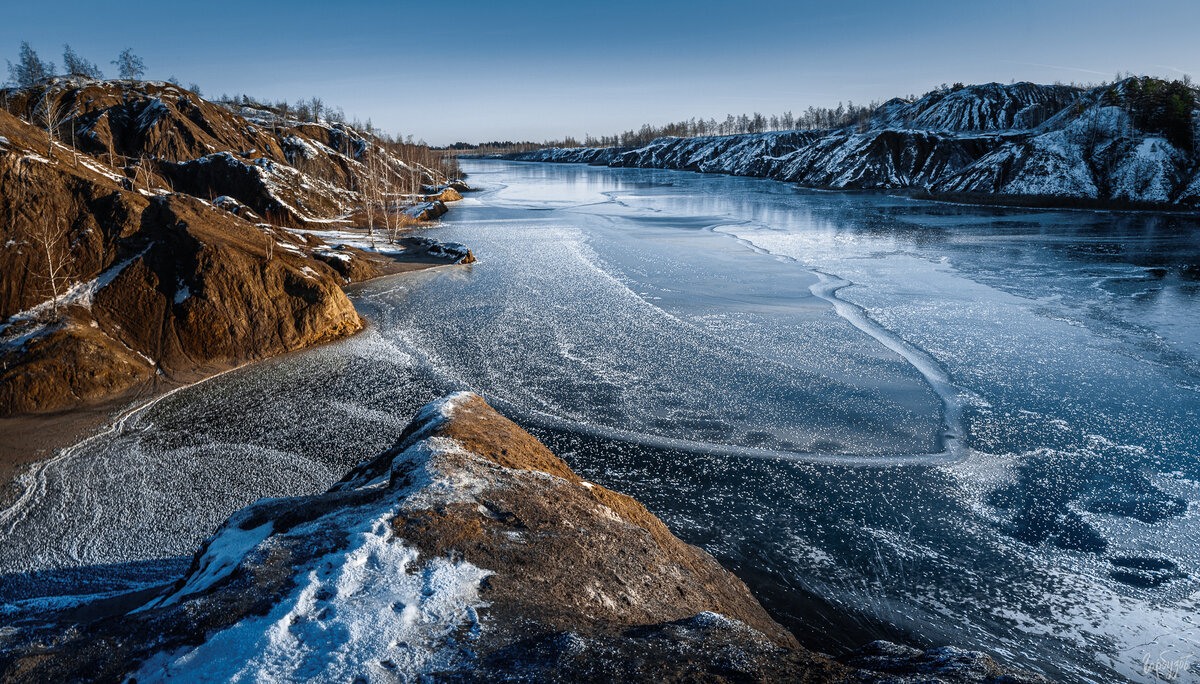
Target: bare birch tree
[(53, 113), (45, 230)]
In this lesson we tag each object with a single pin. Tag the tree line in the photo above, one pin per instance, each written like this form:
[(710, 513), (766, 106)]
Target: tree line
[(30, 69), (813, 118), (1165, 106)]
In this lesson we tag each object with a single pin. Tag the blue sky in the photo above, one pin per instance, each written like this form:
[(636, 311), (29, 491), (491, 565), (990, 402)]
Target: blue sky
[(476, 71)]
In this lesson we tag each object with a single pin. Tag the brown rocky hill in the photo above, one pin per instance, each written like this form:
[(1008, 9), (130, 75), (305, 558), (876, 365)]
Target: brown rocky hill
[(466, 552), (160, 133), (161, 237)]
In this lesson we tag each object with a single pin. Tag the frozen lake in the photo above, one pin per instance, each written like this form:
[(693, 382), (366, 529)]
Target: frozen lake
[(893, 419)]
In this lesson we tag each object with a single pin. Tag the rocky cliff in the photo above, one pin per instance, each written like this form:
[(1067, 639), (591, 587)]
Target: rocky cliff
[(158, 237), (1133, 143), (466, 552)]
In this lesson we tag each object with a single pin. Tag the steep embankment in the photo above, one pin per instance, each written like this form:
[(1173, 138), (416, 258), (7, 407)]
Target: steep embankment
[(162, 237), (466, 552), (1129, 144)]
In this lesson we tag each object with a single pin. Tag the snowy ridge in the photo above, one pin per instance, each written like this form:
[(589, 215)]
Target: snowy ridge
[(987, 107), (1019, 140)]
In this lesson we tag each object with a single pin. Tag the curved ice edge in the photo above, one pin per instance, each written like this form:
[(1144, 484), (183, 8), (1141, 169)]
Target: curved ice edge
[(935, 376), (549, 420)]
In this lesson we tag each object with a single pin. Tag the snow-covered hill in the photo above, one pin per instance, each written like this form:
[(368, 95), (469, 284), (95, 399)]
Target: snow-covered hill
[(1020, 141), (987, 107)]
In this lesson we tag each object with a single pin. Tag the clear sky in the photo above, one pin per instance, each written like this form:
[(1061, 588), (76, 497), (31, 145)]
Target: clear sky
[(476, 71)]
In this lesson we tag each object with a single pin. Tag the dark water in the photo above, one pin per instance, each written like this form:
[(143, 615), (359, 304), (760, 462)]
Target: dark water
[(894, 419)]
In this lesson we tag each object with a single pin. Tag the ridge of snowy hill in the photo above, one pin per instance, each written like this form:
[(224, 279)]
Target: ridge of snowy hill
[(1113, 144), (986, 107)]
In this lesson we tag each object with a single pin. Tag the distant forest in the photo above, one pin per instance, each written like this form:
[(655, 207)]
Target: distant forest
[(813, 118), (1147, 100)]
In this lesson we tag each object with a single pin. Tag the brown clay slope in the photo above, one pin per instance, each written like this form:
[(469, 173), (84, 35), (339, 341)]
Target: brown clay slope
[(158, 284), (175, 251)]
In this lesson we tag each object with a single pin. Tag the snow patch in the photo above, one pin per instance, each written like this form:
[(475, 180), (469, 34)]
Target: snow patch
[(80, 293), (369, 609), (221, 556)]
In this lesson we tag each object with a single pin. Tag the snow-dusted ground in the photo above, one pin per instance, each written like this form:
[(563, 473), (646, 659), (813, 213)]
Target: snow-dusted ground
[(682, 338)]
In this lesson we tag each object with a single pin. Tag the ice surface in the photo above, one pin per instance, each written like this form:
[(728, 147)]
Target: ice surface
[(659, 330)]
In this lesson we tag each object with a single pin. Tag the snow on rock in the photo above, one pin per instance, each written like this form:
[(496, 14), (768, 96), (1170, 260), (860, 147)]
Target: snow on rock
[(77, 294), (425, 211), (1046, 165), (233, 206), (1190, 195), (987, 107), (222, 553), (150, 115), (1146, 170), (372, 608), (454, 252), (295, 145), (1016, 140)]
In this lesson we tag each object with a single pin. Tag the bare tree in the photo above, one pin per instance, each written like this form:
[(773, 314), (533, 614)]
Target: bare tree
[(369, 187), (142, 171), (45, 230), (74, 65), (130, 67), (52, 113), (391, 221), (29, 69)]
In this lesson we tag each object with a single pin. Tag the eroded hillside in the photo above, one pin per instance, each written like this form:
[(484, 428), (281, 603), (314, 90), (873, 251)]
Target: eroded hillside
[(148, 235)]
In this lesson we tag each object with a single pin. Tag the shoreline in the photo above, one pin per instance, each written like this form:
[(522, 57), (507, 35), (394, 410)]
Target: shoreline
[(29, 441), (921, 194)]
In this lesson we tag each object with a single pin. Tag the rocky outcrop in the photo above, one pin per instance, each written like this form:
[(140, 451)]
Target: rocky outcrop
[(466, 552), (426, 210), (1040, 144), (174, 239)]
